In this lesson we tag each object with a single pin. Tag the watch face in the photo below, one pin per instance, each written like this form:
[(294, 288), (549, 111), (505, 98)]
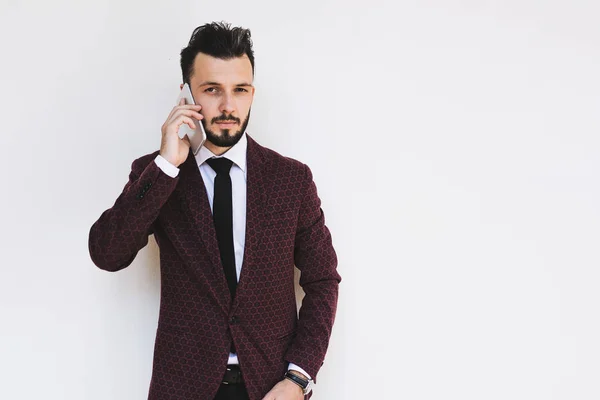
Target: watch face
[(308, 388)]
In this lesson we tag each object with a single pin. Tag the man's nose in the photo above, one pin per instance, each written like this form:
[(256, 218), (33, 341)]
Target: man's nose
[(227, 104)]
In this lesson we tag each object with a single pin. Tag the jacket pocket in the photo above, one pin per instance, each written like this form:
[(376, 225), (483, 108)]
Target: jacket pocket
[(281, 216), (284, 335)]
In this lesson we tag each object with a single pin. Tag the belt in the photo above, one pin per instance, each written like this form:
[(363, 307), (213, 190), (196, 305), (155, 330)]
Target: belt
[(233, 375)]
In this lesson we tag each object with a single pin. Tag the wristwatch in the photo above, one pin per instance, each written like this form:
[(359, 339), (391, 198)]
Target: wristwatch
[(303, 383)]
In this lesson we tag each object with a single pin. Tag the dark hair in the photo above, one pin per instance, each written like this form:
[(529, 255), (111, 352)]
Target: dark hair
[(217, 39)]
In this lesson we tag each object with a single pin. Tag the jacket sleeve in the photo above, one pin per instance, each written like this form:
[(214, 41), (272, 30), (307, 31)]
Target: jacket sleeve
[(316, 259), (122, 230)]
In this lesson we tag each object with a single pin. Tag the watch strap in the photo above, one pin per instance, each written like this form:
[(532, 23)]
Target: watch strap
[(303, 383)]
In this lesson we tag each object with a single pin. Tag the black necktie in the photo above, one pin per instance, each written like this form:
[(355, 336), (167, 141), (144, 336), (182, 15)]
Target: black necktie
[(223, 218)]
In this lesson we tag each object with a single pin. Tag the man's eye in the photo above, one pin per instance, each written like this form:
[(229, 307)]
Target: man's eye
[(241, 89), (210, 90)]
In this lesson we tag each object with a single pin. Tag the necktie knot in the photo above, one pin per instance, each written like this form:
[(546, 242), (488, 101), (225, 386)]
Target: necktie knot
[(220, 165)]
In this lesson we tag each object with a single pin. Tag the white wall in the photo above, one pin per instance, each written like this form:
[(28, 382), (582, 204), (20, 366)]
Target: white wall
[(456, 151)]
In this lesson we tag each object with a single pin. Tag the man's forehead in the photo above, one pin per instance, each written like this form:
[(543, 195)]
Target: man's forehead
[(224, 71)]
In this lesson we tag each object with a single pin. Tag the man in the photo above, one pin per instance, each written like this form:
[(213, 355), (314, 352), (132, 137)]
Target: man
[(231, 221)]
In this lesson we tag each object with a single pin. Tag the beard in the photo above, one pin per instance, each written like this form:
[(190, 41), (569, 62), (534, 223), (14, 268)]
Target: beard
[(227, 138)]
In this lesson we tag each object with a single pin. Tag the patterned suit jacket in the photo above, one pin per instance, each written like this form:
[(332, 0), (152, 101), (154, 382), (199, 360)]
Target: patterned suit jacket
[(285, 226)]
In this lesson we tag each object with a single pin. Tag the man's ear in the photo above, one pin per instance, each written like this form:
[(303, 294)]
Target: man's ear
[(181, 87)]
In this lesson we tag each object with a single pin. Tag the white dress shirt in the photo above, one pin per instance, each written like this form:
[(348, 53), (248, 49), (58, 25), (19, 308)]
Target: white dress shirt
[(238, 174)]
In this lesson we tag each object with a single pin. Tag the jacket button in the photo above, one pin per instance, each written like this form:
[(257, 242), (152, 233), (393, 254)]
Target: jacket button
[(234, 320)]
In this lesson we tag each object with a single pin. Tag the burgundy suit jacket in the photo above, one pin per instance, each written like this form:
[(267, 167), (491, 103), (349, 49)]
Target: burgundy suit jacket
[(285, 226)]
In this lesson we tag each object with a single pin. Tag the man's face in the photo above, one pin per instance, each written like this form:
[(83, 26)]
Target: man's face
[(224, 90)]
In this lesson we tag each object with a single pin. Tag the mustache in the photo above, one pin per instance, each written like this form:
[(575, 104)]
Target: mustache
[(224, 118)]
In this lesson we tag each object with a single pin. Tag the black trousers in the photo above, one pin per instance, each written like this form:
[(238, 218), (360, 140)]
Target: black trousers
[(232, 391)]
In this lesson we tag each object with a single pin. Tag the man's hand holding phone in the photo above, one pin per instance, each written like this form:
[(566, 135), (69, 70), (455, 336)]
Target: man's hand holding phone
[(174, 149)]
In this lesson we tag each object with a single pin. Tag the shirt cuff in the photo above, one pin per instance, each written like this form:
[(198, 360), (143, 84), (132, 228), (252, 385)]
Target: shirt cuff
[(166, 166), (297, 368)]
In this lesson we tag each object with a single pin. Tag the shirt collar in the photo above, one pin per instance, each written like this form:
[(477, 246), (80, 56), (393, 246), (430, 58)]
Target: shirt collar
[(237, 153)]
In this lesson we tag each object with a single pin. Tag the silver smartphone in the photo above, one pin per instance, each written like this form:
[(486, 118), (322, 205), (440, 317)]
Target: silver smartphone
[(197, 136)]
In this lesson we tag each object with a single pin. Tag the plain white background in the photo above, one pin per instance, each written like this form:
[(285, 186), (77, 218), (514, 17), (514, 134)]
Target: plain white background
[(454, 144)]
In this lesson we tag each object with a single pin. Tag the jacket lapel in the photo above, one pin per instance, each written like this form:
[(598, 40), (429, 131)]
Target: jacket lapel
[(202, 235), (196, 207), (256, 181)]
